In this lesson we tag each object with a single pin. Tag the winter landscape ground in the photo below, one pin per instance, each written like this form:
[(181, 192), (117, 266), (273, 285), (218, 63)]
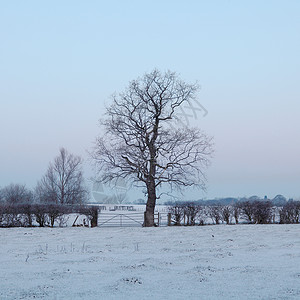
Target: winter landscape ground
[(208, 262)]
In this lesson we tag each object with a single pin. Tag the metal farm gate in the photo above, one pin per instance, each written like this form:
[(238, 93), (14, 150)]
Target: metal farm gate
[(124, 219)]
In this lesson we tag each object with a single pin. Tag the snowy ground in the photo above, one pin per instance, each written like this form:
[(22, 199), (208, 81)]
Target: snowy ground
[(210, 262)]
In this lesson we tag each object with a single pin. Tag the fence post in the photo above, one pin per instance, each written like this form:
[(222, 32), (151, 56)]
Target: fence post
[(94, 220), (169, 219), (144, 218)]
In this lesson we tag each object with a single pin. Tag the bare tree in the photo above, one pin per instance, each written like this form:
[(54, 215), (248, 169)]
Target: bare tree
[(54, 212), (14, 194), (41, 215), (290, 212), (202, 214), (27, 213), (191, 211), (257, 212), (177, 213), (141, 140), (262, 212), (226, 211), (236, 212), (248, 210), (215, 213), (63, 182)]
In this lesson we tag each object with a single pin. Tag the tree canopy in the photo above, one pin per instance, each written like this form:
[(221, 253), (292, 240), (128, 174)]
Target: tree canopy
[(142, 140)]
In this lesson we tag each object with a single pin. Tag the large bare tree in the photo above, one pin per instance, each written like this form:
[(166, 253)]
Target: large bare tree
[(63, 182), (142, 141)]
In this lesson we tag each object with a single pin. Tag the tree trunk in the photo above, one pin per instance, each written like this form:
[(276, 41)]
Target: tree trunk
[(94, 219), (150, 206)]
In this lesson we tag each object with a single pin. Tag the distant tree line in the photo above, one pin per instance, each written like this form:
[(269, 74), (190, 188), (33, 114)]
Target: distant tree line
[(278, 200), (250, 212)]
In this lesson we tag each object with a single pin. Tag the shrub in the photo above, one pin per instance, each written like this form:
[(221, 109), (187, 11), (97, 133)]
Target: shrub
[(215, 213), (191, 211), (289, 213), (177, 213), (41, 216), (226, 212), (262, 212)]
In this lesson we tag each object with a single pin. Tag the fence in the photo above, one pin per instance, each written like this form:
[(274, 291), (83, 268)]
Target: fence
[(128, 219)]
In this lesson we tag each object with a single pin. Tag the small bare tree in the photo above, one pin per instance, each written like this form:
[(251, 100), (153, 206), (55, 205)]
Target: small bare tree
[(177, 213), (92, 214), (41, 215), (290, 213), (236, 212), (248, 210), (142, 142), (202, 214), (63, 182), (27, 213), (262, 212), (215, 213), (14, 194), (191, 211), (226, 211), (14, 198), (54, 212)]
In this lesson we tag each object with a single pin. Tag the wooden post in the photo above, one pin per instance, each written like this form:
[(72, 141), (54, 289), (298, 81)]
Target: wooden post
[(94, 220), (144, 218), (169, 219)]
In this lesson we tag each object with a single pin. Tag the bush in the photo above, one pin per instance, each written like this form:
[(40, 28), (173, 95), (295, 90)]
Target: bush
[(91, 212), (177, 213), (236, 212), (226, 212), (41, 216), (24, 215), (191, 211), (257, 212), (54, 212), (215, 213), (10, 216), (247, 210), (186, 214), (262, 212), (289, 213)]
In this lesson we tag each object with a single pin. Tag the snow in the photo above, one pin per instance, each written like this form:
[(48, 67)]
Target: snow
[(208, 262)]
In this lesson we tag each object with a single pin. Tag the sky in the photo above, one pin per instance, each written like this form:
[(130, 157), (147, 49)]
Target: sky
[(60, 61)]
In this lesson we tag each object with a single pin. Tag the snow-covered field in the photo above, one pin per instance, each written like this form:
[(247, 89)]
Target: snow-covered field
[(210, 262)]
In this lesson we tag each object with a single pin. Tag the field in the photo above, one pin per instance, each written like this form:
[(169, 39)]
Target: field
[(208, 262)]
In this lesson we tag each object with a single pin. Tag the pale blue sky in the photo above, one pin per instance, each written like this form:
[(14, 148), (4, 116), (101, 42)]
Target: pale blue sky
[(61, 60)]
